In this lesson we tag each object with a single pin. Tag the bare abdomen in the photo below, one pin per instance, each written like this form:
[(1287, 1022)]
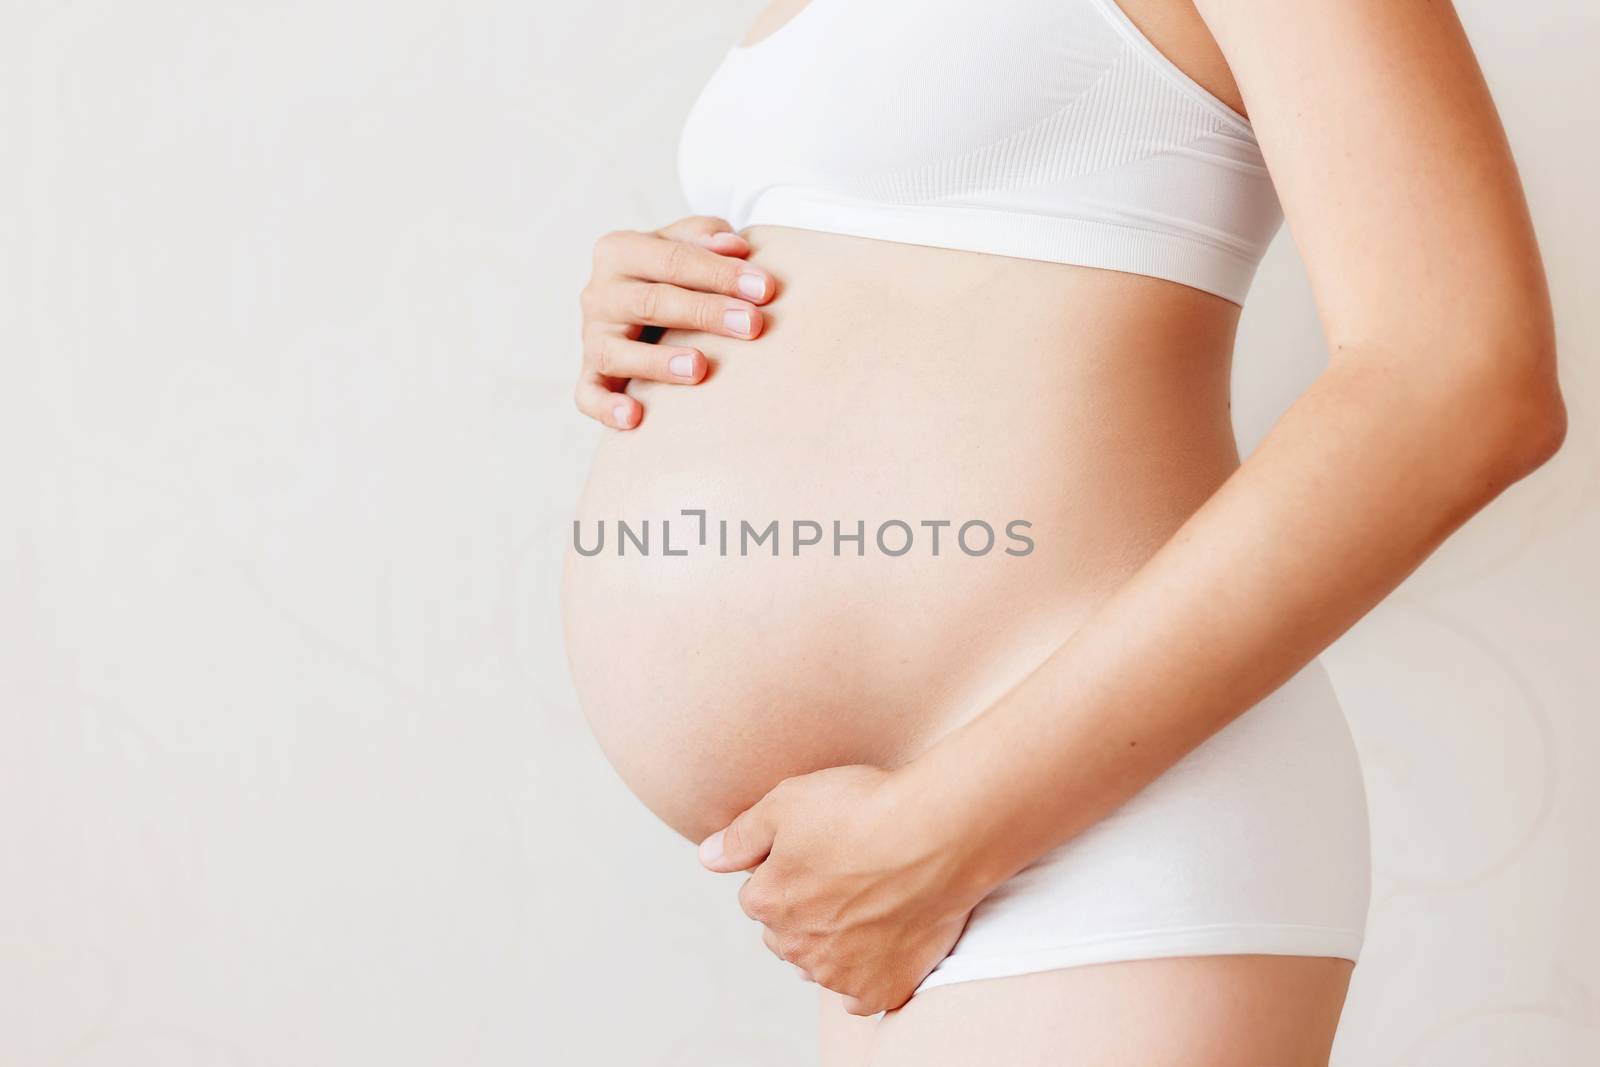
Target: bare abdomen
[(896, 388)]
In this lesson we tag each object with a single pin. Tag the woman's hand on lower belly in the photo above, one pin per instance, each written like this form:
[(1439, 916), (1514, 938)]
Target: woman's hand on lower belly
[(855, 880)]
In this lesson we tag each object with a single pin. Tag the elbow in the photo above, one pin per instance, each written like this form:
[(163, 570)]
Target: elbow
[(1517, 419), (1477, 390), (1544, 429)]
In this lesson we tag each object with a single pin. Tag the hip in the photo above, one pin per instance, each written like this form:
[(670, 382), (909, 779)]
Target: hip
[(1255, 843)]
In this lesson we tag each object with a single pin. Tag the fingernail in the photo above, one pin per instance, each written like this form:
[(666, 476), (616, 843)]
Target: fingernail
[(621, 413), (682, 366), (711, 848), (736, 320), (751, 285)]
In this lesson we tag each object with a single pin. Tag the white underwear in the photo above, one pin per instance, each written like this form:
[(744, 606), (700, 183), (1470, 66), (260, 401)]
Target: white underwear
[(1256, 842)]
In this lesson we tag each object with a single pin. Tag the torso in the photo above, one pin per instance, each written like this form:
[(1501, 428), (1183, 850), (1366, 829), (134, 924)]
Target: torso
[(892, 381)]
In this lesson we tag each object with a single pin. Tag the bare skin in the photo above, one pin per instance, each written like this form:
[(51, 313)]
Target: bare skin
[(1115, 384), (871, 386), (1223, 1011)]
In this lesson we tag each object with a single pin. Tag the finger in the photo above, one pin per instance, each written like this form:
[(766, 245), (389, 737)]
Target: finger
[(604, 405), (744, 842), (770, 939), (857, 1006), (726, 243), (880, 1001), (649, 258), (615, 356), (709, 231), (755, 901), (660, 304)]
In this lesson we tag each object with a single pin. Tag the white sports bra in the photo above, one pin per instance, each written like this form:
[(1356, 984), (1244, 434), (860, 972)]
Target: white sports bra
[(1041, 129)]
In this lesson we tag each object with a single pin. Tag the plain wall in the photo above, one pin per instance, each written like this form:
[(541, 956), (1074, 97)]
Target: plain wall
[(290, 770)]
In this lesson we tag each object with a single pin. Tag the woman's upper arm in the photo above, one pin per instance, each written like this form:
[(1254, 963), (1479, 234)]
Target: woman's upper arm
[(1394, 172)]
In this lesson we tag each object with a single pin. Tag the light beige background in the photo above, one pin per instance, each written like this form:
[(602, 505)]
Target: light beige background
[(290, 771)]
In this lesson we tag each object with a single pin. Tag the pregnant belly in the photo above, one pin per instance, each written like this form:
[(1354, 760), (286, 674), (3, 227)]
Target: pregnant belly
[(869, 523)]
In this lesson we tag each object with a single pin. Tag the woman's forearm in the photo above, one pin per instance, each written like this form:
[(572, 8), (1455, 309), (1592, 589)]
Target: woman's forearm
[(1365, 475)]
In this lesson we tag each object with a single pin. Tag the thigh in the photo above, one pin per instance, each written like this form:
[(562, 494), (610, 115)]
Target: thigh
[(1197, 1011)]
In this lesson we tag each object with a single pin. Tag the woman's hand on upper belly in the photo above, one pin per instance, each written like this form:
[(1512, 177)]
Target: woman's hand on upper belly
[(854, 881), (691, 275)]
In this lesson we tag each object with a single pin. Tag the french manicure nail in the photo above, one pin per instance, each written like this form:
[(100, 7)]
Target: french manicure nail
[(711, 848), (620, 413), (736, 320), (682, 366), (751, 285)]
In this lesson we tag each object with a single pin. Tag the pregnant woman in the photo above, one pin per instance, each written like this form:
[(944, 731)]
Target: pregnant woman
[(921, 577)]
